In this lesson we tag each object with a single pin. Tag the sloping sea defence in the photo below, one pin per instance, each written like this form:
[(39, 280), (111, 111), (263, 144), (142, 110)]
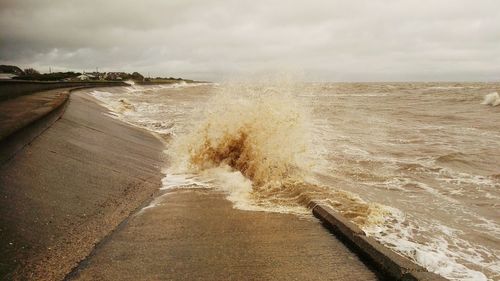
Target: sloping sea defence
[(70, 187), (14, 88)]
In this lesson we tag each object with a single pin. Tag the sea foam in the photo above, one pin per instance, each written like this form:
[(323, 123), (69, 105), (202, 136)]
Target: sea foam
[(257, 140), (492, 99)]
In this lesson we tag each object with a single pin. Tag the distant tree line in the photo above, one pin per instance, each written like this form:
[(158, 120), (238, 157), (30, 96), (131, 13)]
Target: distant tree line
[(33, 74), (11, 69)]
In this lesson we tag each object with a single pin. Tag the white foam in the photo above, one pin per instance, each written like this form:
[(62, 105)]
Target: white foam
[(155, 203), (438, 255), (171, 181), (355, 95), (446, 87), (492, 99), (234, 184)]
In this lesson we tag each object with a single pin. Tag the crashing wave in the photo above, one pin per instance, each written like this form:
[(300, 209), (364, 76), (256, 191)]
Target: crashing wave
[(264, 134), (492, 99)]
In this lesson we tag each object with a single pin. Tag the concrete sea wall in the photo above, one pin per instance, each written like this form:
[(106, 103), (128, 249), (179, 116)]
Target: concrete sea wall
[(14, 88), (393, 265), (70, 187)]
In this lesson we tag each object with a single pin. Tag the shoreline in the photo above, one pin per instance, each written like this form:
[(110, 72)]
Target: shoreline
[(94, 132), (396, 265)]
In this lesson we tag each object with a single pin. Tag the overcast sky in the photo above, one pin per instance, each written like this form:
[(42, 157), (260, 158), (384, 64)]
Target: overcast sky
[(386, 40)]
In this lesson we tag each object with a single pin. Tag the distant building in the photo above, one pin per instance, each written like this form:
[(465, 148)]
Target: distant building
[(83, 77), (95, 75), (115, 75)]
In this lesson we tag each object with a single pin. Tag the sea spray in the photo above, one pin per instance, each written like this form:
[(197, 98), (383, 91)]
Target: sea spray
[(492, 99), (262, 135), (256, 142)]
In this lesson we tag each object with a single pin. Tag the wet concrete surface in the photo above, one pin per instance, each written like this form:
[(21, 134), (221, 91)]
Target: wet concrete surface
[(196, 234), (70, 187), (18, 112)]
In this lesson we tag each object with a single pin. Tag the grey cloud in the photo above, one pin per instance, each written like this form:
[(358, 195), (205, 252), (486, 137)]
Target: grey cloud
[(326, 40)]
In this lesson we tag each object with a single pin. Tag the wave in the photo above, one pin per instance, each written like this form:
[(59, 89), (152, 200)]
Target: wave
[(263, 134), (452, 157), (126, 105), (492, 99)]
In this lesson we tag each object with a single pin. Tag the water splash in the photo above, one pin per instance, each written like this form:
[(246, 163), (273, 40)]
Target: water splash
[(492, 99), (262, 134)]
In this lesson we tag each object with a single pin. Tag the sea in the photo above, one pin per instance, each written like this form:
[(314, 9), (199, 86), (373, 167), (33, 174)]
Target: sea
[(415, 165)]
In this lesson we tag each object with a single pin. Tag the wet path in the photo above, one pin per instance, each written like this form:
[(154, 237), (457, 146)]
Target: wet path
[(197, 235)]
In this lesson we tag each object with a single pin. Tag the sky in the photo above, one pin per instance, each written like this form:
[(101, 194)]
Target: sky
[(357, 40)]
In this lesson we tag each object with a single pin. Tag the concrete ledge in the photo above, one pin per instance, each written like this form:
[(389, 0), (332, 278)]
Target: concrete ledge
[(14, 88), (390, 262), (148, 83), (422, 276), (336, 221), (23, 135), (387, 261), (70, 187), (26, 131)]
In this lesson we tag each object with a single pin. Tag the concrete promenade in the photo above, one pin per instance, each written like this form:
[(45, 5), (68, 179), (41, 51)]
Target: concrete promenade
[(81, 183), (197, 235)]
